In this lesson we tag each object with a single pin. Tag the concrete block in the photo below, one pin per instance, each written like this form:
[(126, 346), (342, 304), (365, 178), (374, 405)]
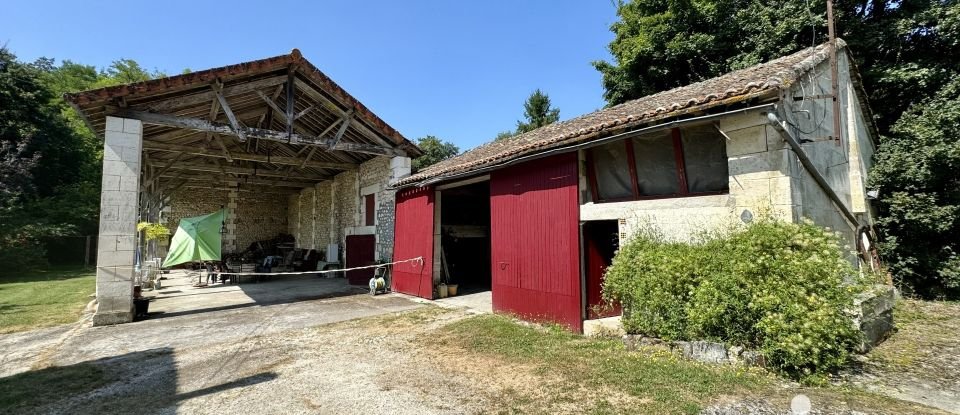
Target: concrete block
[(132, 126), (129, 183), (114, 124), (121, 227), (110, 182), (121, 168), (400, 162), (109, 275), (781, 192), (113, 153), (116, 291), (115, 258), (126, 243), (112, 317), (742, 120), (106, 243), (109, 213), (746, 141), (130, 154), (118, 139), (122, 198)]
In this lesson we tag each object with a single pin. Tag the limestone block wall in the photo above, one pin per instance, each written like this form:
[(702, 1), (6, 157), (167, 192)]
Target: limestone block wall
[(251, 216), (332, 210), (259, 217), (293, 216), (306, 237), (322, 223)]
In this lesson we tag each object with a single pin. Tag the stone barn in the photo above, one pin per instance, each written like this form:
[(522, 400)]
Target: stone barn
[(535, 219), (275, 142)]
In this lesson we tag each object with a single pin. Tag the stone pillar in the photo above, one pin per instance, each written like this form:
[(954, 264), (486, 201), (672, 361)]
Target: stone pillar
[(399, 168), (116, 248)]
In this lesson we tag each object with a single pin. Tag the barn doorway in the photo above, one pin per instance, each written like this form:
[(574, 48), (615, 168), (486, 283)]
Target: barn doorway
[(464, 237), (600, 242)]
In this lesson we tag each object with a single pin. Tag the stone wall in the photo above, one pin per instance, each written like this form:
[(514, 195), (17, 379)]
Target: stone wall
[(332, 210), (259, 217), (251, 216)]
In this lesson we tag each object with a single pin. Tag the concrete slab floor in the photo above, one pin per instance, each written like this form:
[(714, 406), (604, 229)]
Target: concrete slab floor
[(481, 302), (179, 296)]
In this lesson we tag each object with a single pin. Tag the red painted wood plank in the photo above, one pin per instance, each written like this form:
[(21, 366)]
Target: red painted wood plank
[(535, 255), (413, 237)]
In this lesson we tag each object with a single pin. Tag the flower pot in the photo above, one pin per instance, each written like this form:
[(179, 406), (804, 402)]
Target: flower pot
[(452, 290), (442, 291)]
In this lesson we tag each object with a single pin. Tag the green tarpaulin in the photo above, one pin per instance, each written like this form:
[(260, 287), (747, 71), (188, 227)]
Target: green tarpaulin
[(196, 239)]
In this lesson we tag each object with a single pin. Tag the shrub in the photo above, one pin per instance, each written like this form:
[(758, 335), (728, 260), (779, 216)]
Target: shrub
[(778, 287)]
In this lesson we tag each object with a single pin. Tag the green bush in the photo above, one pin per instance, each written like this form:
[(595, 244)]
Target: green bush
[(782, 288)]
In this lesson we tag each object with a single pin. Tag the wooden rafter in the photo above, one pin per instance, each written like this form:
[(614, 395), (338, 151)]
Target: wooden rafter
[(215, 127), (225, 170), (259, 158), (229, 113), (207, 96)]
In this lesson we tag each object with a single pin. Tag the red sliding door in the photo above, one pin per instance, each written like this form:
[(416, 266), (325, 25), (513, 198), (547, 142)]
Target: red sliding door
[(413, 237)]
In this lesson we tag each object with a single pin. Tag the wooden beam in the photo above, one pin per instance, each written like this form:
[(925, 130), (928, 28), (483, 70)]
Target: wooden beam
[(149, 145), (291, 90), (246, 180), (304, 112), (272, 105), (343, 129), (264, 134), (318, 96), (230, 116), (226, 188), (207, 96), (226, 153), (213, 168)]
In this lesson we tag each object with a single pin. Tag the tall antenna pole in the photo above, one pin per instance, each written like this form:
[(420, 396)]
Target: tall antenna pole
[(834, 77)]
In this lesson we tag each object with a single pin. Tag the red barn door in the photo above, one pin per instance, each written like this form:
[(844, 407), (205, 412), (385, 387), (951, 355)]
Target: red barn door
[(413, 237), (534, 229), (360, 253)]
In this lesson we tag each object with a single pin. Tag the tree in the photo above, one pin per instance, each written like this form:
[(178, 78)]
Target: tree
[(538, 113), (660, 45), (503, 135), (49, 159), (434, 150), (918, 176), (40, 159)]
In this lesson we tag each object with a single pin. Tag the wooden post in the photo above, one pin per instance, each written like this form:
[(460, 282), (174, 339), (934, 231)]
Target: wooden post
[(86, 253)]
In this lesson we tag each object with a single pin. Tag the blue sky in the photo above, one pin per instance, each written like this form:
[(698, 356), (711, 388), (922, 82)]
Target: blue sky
[(455, 69)]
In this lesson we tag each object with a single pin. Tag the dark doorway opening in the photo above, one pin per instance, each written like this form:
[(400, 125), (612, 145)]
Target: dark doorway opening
[(600, 242), (465, 237)]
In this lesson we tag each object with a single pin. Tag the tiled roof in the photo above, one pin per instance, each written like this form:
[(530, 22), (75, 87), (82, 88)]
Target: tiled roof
[(765, 79)]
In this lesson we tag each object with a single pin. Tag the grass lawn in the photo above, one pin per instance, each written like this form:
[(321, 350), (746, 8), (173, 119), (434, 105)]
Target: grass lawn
[(570, 373), (44, 298)]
